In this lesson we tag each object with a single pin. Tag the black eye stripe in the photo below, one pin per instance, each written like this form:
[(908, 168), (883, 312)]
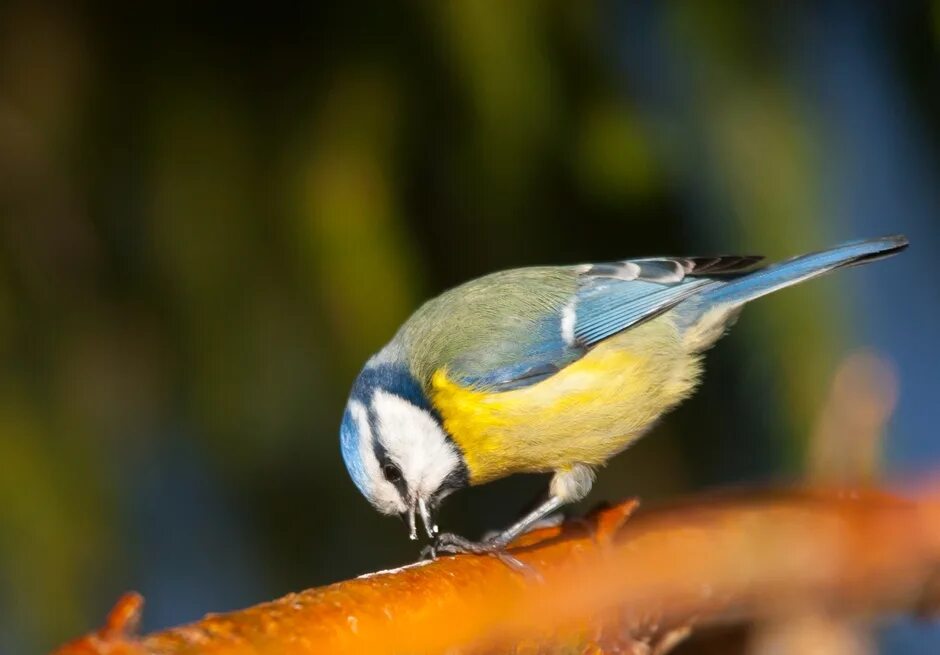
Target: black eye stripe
[(385, 462), (397, 481), (391, 472), (377, 446)]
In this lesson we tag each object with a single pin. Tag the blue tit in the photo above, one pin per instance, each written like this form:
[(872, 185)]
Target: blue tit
[(546, 369)]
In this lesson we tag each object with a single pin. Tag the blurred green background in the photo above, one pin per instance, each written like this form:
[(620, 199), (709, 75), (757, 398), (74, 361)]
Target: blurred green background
[(210, 216)]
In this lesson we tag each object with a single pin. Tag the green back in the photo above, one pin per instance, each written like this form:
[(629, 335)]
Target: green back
[(488, 323)]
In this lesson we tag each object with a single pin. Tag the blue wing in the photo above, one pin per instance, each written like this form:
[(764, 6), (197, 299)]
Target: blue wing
[(608, 299)]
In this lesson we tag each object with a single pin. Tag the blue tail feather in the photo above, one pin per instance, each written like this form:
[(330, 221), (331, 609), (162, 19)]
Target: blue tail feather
[(778, 276)]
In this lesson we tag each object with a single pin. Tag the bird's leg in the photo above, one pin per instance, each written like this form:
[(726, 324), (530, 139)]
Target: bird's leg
[(569, 485)]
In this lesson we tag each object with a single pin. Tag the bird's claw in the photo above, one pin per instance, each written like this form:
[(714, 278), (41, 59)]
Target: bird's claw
[(452, 544), (448, 543)]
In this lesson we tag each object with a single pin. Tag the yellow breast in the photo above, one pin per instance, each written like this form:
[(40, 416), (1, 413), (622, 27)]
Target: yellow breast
[(586, 413)]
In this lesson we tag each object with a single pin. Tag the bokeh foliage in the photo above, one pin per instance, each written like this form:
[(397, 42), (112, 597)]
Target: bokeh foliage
[(210, 217)]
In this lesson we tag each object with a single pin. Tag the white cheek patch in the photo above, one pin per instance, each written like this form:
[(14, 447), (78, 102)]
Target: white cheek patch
[(415, 441), (382, 493)]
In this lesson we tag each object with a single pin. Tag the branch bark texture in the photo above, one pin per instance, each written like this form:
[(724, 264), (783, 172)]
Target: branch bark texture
[(619, 581)]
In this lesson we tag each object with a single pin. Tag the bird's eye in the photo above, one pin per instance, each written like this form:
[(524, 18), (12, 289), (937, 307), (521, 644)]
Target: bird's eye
[(392, 473)]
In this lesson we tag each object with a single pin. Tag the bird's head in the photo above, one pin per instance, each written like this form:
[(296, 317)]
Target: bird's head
[(396, 448)]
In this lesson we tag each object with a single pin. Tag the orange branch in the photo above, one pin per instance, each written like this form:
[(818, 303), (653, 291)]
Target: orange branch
[(605, 583)]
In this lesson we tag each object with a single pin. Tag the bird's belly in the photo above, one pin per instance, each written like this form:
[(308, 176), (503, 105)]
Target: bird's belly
[(585, 413)]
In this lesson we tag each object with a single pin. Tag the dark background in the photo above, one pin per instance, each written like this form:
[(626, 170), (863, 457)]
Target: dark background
[(210, 217)]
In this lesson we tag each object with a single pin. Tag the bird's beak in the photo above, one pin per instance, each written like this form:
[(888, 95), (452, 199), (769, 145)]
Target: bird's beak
[(419, 507), (429, 526)]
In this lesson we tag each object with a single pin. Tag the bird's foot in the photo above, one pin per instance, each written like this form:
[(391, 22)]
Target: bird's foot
[(448, 543), (453, 544)]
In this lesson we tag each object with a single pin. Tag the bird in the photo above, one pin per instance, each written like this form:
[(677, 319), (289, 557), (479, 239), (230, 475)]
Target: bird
[(546, 369)]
